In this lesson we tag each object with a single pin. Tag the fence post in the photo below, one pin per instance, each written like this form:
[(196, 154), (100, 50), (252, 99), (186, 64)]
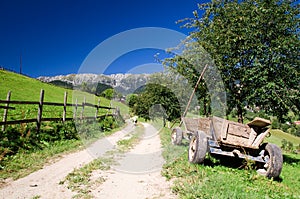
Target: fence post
[(65, 106), (82, 111), (6, 110), (97, 109), (40, 111), (75, 109)]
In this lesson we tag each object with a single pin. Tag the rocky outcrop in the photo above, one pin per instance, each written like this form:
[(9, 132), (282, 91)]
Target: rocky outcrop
[(123, 83)]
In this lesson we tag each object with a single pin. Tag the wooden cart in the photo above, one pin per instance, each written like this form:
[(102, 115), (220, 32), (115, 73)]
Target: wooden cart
[(216, 135)]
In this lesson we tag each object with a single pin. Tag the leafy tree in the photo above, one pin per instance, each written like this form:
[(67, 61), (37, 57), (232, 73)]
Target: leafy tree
[(108, 93), (160, 100), (255, 45), (131, 100)]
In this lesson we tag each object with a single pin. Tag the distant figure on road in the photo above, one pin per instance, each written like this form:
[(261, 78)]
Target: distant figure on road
[(134, 120)]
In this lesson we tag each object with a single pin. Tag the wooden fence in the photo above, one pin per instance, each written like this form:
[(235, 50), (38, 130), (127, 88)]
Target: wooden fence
[(39, 119)]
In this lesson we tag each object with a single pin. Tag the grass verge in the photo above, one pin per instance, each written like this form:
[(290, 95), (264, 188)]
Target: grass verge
[(80, 180), (26, 162), (218, 179)]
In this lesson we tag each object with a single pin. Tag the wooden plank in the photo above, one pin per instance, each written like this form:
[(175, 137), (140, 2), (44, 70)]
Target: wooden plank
[(8, 107), (55, 119), (236, 141), (106, 115), (82, 110), (259, 122), (18, 102), (60, 104), (204, 125), (40, 110), (90, 105), (6, 110), (53, 104), (97, 109), (96, 106), (18, 121), (65, 106), (191, 124), (220, 128), (75, 108), (239, 130), (252, 136), (260, 138)]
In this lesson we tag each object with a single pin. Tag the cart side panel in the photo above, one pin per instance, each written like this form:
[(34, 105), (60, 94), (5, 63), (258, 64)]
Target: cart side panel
[(233, 133), (219, 126), (239, 130), (237, 134), (259, 139), (191, 124), (204, 125)]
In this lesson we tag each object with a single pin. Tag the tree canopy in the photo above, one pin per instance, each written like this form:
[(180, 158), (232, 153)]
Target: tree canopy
[(155, 101), (255, 46)]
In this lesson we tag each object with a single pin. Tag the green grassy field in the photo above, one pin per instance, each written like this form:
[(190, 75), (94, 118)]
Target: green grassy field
[(277, 136), (27, 89), (221, 179)]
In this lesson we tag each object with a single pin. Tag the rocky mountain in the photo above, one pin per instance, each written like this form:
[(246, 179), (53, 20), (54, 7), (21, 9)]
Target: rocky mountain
[(123, 83)]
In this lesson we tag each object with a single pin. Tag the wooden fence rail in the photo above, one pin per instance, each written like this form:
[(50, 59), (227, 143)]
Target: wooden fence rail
[(39, 119)]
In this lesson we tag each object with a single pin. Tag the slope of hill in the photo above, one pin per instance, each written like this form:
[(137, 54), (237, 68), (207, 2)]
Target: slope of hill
[(277, 136), (28, 89), (25, 88)]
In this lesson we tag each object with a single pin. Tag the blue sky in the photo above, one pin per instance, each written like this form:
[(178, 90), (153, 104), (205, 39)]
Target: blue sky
[(55, 36)]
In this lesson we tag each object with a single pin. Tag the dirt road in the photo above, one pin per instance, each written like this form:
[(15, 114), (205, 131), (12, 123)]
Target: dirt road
[(136, 176)]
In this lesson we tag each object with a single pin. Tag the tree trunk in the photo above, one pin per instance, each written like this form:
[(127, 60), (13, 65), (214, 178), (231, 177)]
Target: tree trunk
[(204, 107), (240, 114)]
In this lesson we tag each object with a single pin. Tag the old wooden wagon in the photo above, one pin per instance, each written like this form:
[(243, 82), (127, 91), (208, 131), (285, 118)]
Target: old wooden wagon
[(219, 136)]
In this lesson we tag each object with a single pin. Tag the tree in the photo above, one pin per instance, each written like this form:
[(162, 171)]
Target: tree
[(131, 100), (108, 93), (156, 101), (255, 45)]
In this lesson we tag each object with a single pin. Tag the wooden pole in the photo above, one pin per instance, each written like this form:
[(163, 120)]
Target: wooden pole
[(40, 110), (75, 109), (65, 106), (82, 111), (6, 110), (97, 109), (193, 93)]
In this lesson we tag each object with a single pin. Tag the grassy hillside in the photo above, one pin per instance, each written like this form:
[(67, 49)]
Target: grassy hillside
[(25, 88), (277, 136), (28, 89)]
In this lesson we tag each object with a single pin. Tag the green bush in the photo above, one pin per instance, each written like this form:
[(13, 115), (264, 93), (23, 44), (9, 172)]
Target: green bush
[(275, 123), (25, 136), (287, 145)]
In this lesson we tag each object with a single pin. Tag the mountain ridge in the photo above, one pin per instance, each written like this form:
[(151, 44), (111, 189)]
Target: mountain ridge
[(123, 83)]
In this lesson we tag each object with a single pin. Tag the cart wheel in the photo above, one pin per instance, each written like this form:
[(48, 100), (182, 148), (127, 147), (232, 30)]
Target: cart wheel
[(198, 147), (273, 157), (177, 136)]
